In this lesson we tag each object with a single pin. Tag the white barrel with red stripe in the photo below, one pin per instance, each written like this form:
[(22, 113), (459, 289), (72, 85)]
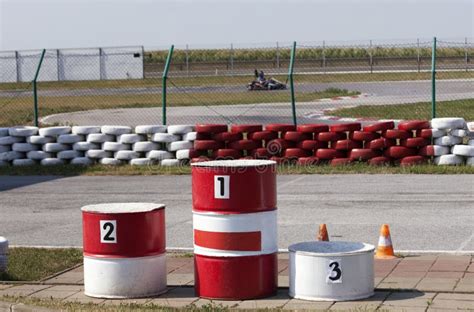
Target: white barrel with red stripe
[(124, 250), (235, 229)]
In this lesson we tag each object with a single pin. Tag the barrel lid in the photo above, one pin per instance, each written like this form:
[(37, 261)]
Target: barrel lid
[(122, 207), (321, 248), (235, 163)]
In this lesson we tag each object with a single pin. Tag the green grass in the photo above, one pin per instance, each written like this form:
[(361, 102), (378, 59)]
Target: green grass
[(456, 108), (34, 264)]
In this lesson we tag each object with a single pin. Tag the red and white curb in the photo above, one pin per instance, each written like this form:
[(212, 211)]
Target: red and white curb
[(339, 98)]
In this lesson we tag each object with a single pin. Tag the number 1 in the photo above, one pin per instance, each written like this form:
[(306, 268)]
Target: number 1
[(221, 187)]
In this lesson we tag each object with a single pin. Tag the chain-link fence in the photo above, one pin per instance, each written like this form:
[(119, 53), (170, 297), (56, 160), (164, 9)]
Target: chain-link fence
[(332, 81)]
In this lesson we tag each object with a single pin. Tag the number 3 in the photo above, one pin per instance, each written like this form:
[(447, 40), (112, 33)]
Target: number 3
[(334, 272), (108, 231)]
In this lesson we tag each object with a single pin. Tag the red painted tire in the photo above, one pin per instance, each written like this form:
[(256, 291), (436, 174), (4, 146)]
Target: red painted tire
[(363, 154), (227, 137), (410, 125), (331, 136), (412, 160), (296, 153), (297, 136), (424, 133), (280, 127), (245, 128), (194, 153), (329, 153), (247, 157), (260, 153), (281, 160), (203, 136), (200, 159), (380, 161), (204, 145), (308, 161), (363, 136), (397, 134), (227, 153), (379, 126), (352, 126), (346, 145), (211, 128), (313, 128), (381, 143), (311, 145), (262, 135), (277, 146), (415, 142), (340, 161), (243, 145), (399, 152)]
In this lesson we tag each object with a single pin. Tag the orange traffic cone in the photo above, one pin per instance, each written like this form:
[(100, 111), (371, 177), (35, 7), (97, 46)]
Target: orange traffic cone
[(323, 233), (385, 248)]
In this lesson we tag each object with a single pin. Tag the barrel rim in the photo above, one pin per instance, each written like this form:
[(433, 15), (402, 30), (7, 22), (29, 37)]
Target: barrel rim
[(299, 249), (217, 212), (234, 163), (119, 208)]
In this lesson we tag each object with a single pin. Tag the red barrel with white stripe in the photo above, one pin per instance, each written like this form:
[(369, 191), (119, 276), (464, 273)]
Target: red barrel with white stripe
[(124, 250), (235, 229)]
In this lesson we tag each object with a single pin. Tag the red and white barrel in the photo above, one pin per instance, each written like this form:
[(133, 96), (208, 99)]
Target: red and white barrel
[(235, 229), (124, 250)]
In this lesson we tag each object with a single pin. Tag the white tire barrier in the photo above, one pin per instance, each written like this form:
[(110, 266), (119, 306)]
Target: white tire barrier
[(84, 130), (38, 155), (5, 148), (82, 161), (54, 131), (470, 142), (126, 155), (100, 138), (470, 126), (115, 130), (447, 140), (23, 131), (190, 136), (3, 254), (52, 162), (179, 145), (98, 153), (70, 138), (170, 162), (159, 155), (448, 123), (4, 131), (448, 160), (470, 161), (150, 129), (182, 154), (38, 139), (23, 162), (180, 129), (24, 147), (9, 140), (461, 133), (141, 162), (165, 138), (111, 161), (85, 146), (463, 150), (130, 138), (66, 155), (4, 163), (115, 146), (437, 133), (55, 147), (10, 156), (145, 146)]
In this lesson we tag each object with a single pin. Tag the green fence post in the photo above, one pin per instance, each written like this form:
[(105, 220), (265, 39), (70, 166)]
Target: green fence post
[(292, 86), (164, 78), (35, 93), (433, 79)]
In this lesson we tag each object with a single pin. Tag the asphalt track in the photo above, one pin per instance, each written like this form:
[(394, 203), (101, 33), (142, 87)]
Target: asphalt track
[(425, 212)]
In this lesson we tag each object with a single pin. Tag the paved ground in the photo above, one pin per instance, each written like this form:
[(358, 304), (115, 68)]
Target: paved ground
[(415, 283), (425, 212)]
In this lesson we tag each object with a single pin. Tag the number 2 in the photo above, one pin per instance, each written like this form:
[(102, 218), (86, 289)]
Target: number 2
[(334, 272), (221, 187), (108, 231)]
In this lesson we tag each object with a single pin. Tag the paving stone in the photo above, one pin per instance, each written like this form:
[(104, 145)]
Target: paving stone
[(127, 301), (471, 268), (5, 286), (216, 303), (176, 297), (297, 304), (437, 284), (271, 302), (23, 290), (20, 307), (370, 303), (452, 304), (399, 283), (448, 296), (442, 274), (465, 285), (180, 279), (283, 281), (400, 309), (50, 293), (449, 265), (188, 268), (80, 297), (402, 273), (420, 257)]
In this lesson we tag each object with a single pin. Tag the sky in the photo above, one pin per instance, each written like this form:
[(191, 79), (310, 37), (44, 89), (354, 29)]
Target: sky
[(37, 24)]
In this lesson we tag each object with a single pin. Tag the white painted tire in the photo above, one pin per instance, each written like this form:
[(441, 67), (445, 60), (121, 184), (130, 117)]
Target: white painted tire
[(70, 138), (54, 131), (9, 140), (23, 131), (159, 155), (111, 161), (85, 146), (150, 129), (449, 160), (55, 147), (126, 155), (52, 162), (447, 140), (437, 133), (470, 126), (180, 129), (98, 153), (439, 150), (100, 138), (4, 132), (23, 162), (10, 156), (165, 138), (182, 154), (115, 146), (180, 145), (24, 147), (84, 130), (82, 161), (130, 138), (170, 162), (38, 139), (470, 142), (470, 161), (6, 148), (145, 146), (38, 155), (190, 136), (448, 123), (141, 162), (460, 133), (463, 150), (69, 155), (3, 245), (4, 163), (115, 130)]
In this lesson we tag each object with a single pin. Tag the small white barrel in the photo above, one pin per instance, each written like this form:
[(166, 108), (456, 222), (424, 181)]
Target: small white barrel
[(3, 254), (331, 271)]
